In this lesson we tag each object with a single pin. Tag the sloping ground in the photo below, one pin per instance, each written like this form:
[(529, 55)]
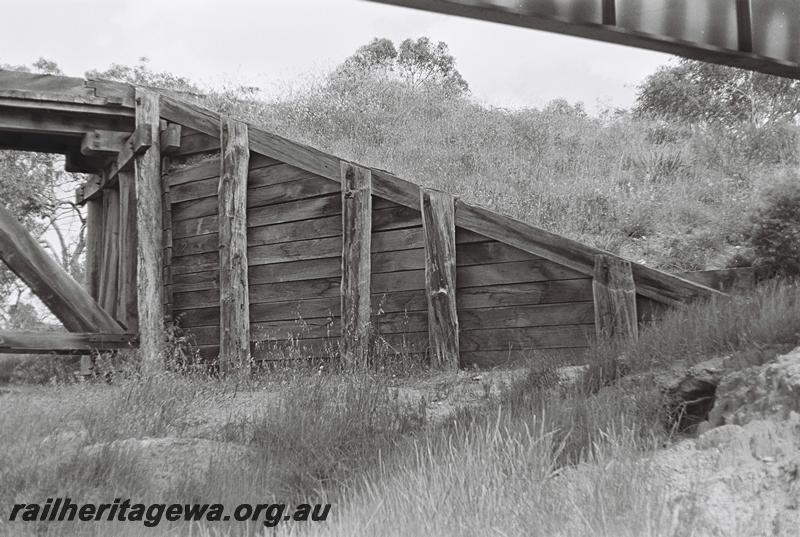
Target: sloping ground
[(741, 476)]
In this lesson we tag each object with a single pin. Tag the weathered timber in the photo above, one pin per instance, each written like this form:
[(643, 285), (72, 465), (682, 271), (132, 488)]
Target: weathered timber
[(529, 304), (310, 187), (530, 338), (126, 295), (166, 212), (525, 316), (735, 280), (438, 222), (190, 115), (111, 243), (284, 213), (38, 87), (150, 281), (234, 336), (75, 162), (53, 123), (650, 282), (65, 297), (356, 248), (63, 343), (170, 137), (208, 168), (94, 246), (193, 142), (614, 300), (136, 144), (103, 142)]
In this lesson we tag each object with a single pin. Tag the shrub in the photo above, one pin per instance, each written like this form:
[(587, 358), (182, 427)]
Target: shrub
[(775, 235)]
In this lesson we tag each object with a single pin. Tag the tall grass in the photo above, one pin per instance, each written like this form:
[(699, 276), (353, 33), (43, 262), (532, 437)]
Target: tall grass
[(667, 194), (767, 317), (539, 457)]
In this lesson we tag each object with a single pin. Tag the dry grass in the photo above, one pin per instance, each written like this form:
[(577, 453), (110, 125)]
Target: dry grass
[(756, 324), (672, 196), (536, 458)]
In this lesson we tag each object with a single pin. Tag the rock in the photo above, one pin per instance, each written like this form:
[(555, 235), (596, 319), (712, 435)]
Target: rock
[(571, 375), (169, 461), (770, 390), (691, 392), (736, 479)]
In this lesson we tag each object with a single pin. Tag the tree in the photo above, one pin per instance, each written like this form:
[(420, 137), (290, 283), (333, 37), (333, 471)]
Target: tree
[(709, 94), (751, 118), (36, 190), (416, 63), (142, 75)]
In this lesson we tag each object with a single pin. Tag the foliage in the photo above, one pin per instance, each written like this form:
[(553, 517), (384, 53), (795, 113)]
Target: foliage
[(38, 193), (767, 316), (705, 93), (775, 235), (416, 63), (141, 75)]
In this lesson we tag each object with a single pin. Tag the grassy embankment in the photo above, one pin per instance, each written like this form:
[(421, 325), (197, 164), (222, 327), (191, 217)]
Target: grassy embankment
[(532, 458)]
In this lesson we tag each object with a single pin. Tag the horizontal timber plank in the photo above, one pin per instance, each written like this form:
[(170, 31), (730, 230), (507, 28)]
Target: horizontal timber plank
[(520, 294), (294, 190), (293, 211), (190, 115), (321, 348), (195, 263), (510, 290), (540, 337), (62, 342), (302, 231), (195, 190), (193, 142), (111, 96), (395, 217), (271, 311), (208, 168), (283, 291), (312, 328), (198, 208), (525, 293), (650, 282), (306, 269), (296, 210), (202, 179), (53, 123), (525, 316), (196, 278)]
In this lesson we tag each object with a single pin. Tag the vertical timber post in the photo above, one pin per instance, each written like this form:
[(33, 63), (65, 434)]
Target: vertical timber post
[(94, 246), (109, 285), (150, 281), (94, 253), (234, 305), (614, 294), (356, 263), (438, 222), (126, 295)]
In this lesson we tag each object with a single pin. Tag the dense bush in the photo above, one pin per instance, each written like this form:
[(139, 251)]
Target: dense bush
[(775, 236)]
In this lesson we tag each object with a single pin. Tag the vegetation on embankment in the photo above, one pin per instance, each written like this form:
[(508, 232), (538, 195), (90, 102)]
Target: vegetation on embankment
[(359, 440)]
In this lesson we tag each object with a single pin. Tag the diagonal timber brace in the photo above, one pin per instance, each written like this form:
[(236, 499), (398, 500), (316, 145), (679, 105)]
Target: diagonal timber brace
[(65, 297)]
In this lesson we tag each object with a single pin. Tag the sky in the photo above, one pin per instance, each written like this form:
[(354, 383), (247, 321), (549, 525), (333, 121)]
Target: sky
[(280, 44)]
